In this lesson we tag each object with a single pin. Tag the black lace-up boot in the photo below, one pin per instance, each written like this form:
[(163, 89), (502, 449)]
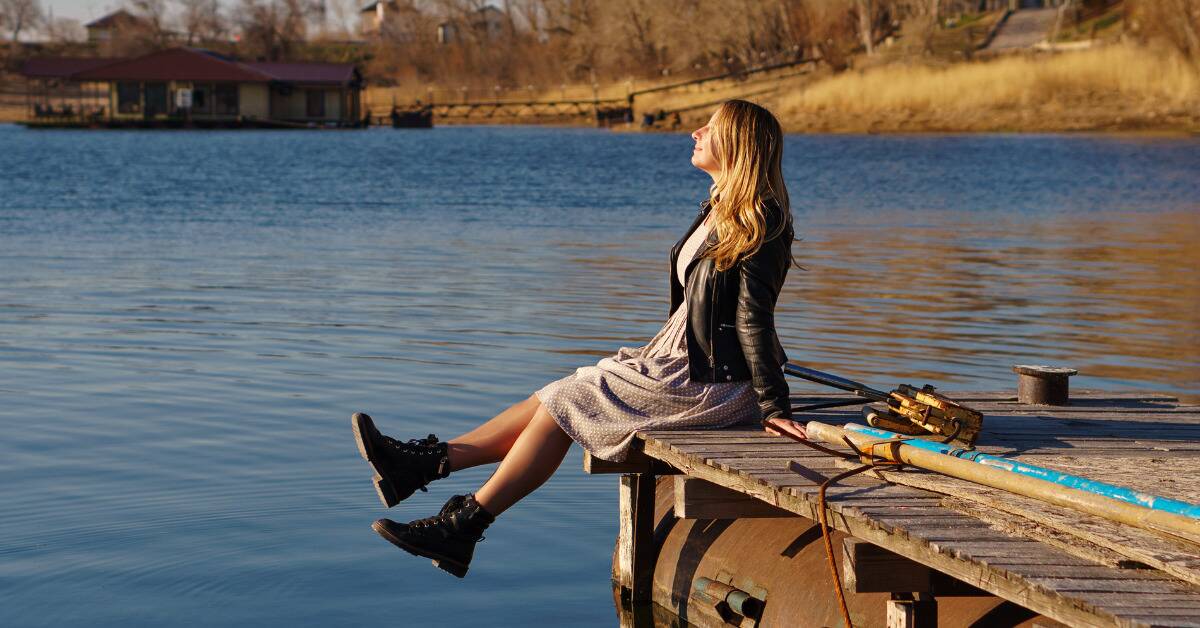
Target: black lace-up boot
[(448, 537), (400, 468)]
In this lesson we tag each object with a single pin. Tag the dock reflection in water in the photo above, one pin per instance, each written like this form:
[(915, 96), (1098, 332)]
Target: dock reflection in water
[(187, 321)]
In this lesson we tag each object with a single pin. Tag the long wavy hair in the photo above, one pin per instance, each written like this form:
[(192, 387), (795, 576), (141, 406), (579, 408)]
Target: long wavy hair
[(748, 145)]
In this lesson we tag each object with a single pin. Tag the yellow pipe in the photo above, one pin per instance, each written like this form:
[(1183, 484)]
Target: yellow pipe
[(1179, 526)]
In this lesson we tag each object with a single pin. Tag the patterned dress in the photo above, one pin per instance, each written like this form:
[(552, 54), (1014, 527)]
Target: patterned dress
[(647, 387)]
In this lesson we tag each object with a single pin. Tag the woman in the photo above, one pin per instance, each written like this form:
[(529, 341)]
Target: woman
[(716, 362)]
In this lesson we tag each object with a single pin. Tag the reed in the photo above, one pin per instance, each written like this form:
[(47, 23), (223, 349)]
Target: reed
[(1131, 79)]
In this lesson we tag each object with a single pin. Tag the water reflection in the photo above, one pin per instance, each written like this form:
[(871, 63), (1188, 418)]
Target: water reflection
[(180, 358), (958, 300)]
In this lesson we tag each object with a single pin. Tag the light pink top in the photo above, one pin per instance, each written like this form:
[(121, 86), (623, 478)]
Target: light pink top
[(688, 251)]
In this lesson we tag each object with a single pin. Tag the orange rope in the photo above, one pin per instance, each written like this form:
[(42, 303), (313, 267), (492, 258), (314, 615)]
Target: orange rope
[(825, 536), (870, 461)]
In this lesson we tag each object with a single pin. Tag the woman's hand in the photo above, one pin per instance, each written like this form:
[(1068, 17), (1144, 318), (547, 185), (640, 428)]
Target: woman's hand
[(778, 426)]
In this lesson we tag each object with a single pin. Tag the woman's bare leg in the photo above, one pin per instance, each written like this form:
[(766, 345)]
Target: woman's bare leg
[(532, 460), (490, 442)]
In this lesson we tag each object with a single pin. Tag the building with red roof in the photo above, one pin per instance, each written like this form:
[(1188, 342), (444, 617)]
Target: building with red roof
[(192, 87), (114, 25)]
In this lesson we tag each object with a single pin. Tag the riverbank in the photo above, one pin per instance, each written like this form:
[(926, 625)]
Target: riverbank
[(1122, 87), (1113, 88)]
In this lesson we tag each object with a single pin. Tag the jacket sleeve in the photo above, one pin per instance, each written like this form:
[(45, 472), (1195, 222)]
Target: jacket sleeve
[(761, 278)]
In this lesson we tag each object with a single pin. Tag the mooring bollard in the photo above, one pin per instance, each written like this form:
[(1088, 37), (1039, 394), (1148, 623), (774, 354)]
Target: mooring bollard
[(1043, 385)]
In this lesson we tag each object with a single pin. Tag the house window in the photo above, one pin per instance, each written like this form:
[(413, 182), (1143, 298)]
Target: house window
[(201, 100), (316, 103), (225, 97), (129, 98), (156, 98)]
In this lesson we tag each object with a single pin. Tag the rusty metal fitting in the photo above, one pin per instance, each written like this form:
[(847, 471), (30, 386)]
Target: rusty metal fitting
[(1043, 385)]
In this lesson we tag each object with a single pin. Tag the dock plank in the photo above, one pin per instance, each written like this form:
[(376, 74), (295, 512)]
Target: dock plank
[(934, 528), (1174, 557)]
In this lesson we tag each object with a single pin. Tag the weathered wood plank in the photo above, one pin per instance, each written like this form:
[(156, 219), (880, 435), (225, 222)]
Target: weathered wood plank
[(997, 581), (1020, 526), (635, 542), (699, 499), (740, 444), (1082, 570), (1160, 552), (1109, 585), (635, 462), (813, 466), (857, 511)]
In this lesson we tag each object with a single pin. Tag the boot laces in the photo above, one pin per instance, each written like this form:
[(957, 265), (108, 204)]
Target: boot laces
[(453, 504), (443, 520), (415, 445)]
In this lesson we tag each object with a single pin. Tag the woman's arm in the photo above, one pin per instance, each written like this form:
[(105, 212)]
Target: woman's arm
[(761, 277)]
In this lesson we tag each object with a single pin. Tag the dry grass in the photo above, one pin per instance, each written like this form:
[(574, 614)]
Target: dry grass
[(694, 102), (698, 101), (1123, 85), (1119, 87), (12, 113)]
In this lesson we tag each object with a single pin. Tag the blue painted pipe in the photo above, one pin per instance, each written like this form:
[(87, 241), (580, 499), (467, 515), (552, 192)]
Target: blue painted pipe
[(1113, 491)]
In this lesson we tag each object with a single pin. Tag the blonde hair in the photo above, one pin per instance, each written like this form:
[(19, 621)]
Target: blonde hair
[(749, 148)]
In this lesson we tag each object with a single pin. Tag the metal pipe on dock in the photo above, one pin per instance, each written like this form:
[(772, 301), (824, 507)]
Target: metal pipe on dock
[(1113, 491), (1161, 521)]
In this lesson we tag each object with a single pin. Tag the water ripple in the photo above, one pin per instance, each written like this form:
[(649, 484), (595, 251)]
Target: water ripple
[(188, 320)]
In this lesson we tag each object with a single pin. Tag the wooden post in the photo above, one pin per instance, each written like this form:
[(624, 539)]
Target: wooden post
[(635, 541), (1043, 385), (916, 611)]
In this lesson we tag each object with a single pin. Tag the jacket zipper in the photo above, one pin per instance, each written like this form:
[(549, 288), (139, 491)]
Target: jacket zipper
[(712, 336)]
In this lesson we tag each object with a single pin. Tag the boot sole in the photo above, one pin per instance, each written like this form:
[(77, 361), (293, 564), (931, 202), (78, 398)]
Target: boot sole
[(447, 564), (363, 425)]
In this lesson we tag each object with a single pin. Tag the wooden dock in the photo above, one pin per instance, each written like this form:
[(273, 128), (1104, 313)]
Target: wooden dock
[(1064, 565)]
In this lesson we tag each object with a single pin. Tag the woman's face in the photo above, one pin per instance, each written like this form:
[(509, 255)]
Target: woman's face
[(704, 154)]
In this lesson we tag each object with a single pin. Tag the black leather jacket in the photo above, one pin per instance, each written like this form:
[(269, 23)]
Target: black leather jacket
[(731, 314)]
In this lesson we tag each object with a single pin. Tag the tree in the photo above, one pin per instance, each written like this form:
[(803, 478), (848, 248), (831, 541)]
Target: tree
[(201, 20), (18, 15), (1176, 22), (866, 24), (345, 16), (65, 30), (272, 29), (153, 14)]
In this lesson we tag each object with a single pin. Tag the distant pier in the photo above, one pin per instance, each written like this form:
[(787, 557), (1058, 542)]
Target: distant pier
[(602, 112)]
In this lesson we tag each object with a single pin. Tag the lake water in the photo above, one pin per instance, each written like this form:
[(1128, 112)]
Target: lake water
[(187, 321)]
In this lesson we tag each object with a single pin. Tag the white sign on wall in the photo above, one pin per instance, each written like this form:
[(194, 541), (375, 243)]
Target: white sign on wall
[(183, 99)]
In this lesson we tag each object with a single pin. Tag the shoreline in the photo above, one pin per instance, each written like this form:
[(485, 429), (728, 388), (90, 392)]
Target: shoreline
[(1175, 131)]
